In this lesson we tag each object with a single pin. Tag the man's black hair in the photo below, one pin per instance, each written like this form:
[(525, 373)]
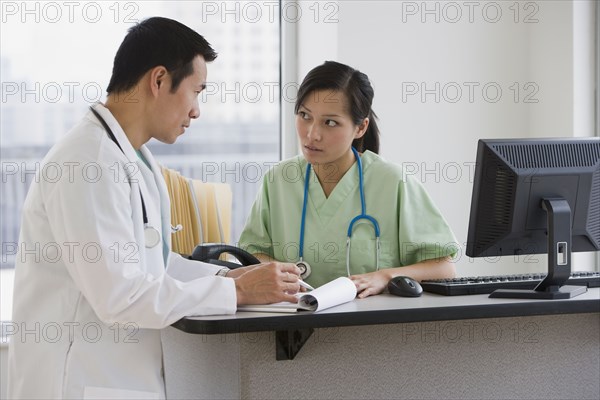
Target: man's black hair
[(153, 42)]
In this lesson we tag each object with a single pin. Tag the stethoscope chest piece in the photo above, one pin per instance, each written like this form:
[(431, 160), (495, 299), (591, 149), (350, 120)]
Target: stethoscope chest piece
[(305, 270), (151, 237)]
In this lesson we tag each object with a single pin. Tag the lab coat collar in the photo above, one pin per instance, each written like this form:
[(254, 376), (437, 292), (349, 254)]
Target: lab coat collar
[(132, 156), (117, 131)]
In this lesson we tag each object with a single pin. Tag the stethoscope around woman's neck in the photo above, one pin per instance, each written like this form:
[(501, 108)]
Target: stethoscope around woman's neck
[(303, 265)]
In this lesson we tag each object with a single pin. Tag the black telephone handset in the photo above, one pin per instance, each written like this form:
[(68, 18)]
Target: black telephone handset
[(210, 253)]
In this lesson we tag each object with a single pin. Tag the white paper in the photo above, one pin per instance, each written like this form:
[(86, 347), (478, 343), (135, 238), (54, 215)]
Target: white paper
[(334, 293)]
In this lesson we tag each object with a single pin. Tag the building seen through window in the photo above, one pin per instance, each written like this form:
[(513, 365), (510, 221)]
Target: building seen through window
[(57, 60)]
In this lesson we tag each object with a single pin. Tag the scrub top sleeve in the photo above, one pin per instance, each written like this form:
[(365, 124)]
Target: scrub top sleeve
[(424, 233), (256, 236)]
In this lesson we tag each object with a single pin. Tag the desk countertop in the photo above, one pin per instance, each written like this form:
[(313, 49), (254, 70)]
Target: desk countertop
[(388, 309)]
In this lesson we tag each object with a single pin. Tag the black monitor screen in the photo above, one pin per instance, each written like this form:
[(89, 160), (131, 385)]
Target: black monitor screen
[(512, 177), (528, 193)]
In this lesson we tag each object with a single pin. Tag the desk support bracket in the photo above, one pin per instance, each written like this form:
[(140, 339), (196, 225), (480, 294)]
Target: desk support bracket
[(288, 343)]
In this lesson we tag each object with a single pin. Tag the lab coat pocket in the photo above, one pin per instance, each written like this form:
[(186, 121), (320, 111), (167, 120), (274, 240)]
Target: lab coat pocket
[(98, 393)]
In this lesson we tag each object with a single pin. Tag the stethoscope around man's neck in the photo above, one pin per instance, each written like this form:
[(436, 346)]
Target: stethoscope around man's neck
[(151, 234), (303, 265)]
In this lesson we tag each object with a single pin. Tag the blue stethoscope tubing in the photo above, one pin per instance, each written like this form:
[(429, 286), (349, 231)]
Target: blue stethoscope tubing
[(363, 215)]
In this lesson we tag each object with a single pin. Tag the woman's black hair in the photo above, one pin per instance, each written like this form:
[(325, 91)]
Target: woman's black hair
[(358, 91), (153, 42)]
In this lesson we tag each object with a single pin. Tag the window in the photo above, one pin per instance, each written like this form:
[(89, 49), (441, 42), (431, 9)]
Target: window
[(56, 60)]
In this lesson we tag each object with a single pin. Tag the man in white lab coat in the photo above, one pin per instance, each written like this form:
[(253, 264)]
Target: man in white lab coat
[(95, 280)]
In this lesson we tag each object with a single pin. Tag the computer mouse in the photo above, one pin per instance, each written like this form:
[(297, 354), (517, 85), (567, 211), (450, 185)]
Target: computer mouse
[(404, 286)]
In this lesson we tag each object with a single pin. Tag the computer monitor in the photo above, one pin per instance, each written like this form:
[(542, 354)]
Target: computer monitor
[(533, 196)]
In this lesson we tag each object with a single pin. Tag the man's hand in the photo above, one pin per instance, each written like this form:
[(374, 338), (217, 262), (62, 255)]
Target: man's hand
[(267, 283), (234, 273)]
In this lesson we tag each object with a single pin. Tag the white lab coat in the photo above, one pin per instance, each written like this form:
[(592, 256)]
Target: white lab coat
[(90, 298)]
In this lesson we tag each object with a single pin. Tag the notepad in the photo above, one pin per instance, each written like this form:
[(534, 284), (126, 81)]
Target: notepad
[(334, 293)]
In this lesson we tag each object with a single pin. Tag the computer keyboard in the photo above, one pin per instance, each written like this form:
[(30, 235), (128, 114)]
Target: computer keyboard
[(487, 284)]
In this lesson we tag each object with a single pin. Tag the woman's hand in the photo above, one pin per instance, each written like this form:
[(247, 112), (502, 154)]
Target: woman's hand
[(376, 282), (371, 283)]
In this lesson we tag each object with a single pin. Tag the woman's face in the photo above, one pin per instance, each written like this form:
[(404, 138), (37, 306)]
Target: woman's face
[(325, 129)]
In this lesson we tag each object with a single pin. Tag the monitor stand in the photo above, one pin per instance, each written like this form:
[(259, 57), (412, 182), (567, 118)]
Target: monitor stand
[(559, 258)]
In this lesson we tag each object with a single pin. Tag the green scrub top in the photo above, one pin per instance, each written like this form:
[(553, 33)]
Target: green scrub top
[(412, 227)]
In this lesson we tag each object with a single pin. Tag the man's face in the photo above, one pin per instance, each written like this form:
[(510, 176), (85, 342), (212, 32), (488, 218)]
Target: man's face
[(174, 111)]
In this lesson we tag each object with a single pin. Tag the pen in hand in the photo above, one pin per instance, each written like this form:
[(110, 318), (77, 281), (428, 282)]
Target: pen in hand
[(305, 285)]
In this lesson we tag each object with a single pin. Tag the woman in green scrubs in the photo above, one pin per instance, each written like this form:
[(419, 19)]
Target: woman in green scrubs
[(333, 114)]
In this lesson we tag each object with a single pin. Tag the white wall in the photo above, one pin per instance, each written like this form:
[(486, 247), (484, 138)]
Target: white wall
[(3, 369), (526, 51), (584, 82)]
